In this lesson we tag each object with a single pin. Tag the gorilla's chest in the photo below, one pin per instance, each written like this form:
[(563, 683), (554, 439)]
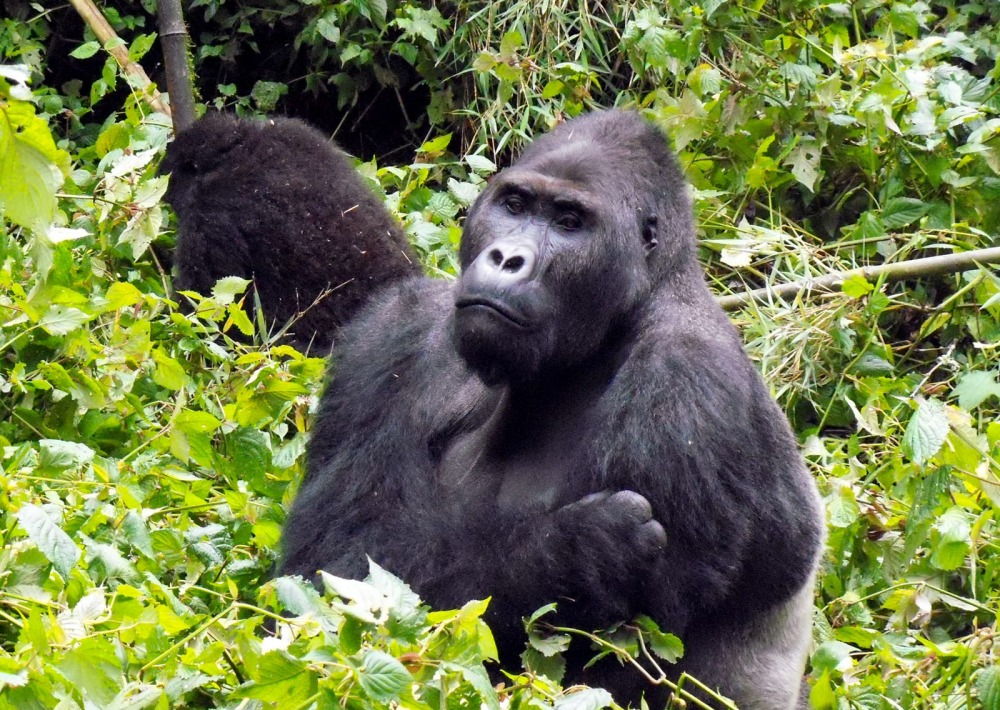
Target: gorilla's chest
[(523, 455)]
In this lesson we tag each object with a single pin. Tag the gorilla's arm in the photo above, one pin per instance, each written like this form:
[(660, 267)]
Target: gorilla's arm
[(276, 202), (703, 441)]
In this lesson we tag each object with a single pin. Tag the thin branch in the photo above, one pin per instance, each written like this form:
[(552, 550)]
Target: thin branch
[(914, 268), (116, 48), (173, 39)]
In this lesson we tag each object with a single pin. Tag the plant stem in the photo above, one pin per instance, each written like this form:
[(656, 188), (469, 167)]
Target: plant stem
[(914, 268), (113, 44)]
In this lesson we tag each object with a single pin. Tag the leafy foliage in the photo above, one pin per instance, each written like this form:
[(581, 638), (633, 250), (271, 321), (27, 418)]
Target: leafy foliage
[(148, 456)]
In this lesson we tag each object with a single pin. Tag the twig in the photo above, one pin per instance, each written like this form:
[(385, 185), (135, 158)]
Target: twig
[(173, 39), (914, 268), (116, 48)]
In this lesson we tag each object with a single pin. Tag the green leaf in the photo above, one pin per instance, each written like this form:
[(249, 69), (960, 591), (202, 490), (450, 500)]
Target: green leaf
[(988, 687), (168, 372), (280, 679), (239, 318), (382, 676), (436, 145), (122, 294), (481, 164), (953, 539), (856, 286), (976, 387), (901, 211), (140, 45), (86, 50), (476, 676), (137, 534), (57, 455), (29, 176), (56, 545), (267, 94), (226, 289), (511, 42), (926, 431), (586, 699), (549, 645), (832, 655), (95, 670), (327, 27), (62, 320), (804, 160), (196, 422)]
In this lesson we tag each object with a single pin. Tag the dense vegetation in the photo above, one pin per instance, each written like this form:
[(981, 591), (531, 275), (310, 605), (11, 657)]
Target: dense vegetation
[(148, 457)]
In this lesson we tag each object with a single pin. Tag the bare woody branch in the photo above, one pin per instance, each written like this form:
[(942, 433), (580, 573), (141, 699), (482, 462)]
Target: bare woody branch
[(116, 48), (914, 268)]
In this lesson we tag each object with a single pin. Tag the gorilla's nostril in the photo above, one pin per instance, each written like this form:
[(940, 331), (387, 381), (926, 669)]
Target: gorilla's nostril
[(496, 256), (514, 264)]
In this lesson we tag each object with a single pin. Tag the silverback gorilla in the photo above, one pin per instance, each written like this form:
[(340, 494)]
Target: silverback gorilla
[(573, 420), (276, 202)]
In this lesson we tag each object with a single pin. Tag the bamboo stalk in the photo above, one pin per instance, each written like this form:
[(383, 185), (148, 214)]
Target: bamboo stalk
[(112, 43), (173, 39), (914, 268)]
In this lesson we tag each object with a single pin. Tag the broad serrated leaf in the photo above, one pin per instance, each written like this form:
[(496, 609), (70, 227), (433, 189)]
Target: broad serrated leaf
[(988, 688), (54, 543), (121, 295), (976, 387), (57, 455), (952, 541), (549, 645), (586, 699), (481, 164), (62, 320), (901, 211), (926, 431), (280, 679), (196, 422), (804, 160), (227, 288), (168, 372), (831, 656), (327, 27), (29, 176), (296, 595), (86, 50), (383, 677), (137, 533), (476, 676), (238, 317), (856, 286)]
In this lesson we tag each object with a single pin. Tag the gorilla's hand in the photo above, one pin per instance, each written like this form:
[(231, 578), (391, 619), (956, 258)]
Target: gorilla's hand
[(614, 541), (627, 511)]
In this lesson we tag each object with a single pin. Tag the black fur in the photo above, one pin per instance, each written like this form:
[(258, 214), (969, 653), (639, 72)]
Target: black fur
[(276, 202), (530, 432)]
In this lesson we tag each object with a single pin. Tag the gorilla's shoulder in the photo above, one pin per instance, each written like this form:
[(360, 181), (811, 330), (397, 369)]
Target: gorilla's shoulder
[(402, 316), (688, 351)]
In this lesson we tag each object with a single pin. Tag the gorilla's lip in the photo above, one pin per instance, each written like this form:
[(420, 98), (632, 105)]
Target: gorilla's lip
[(494, 306)]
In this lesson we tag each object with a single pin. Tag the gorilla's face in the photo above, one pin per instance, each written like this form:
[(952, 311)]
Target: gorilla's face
[(554, 261)]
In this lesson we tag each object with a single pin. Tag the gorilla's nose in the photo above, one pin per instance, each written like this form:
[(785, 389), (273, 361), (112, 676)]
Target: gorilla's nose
[(504, 263)]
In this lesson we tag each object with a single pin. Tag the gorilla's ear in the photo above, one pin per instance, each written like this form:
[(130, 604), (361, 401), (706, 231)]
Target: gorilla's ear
[(649, 232)]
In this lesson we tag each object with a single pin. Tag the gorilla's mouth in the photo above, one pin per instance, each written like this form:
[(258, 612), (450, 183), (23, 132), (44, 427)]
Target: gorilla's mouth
[(500, 309)]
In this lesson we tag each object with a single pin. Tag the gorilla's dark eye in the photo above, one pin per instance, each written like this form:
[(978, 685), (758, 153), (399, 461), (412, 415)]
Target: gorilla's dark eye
[(569, 221), (514, 204)]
